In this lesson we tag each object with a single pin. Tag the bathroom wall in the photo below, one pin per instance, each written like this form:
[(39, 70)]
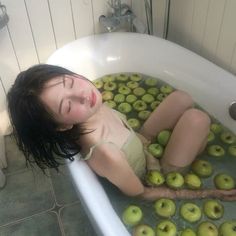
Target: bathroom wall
[(206, 27)]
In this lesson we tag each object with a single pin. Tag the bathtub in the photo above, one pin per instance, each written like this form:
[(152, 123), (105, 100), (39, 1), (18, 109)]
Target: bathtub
[(94, 56)]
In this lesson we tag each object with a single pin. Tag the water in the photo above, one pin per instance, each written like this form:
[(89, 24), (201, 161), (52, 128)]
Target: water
[(224, 164)]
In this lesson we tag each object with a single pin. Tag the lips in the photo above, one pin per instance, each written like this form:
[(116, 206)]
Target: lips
[(93, 99)]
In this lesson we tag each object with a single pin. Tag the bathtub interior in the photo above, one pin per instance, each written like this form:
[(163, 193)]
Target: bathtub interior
[(95, 56)]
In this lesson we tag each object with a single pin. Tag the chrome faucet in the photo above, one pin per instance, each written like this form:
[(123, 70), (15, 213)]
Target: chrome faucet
[(121, 16)]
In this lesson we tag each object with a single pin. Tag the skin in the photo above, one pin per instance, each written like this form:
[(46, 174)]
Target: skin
[(81, 102)]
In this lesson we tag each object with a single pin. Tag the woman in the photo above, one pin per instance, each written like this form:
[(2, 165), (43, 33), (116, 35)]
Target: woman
[(55, 111)]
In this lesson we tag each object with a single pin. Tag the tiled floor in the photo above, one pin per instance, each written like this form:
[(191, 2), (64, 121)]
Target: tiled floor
[(32, 203)]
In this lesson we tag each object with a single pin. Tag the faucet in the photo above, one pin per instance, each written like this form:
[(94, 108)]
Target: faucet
[(120, 16)]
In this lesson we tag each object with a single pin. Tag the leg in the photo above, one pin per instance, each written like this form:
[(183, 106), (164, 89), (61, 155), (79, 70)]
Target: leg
[(167, 114), (188, 138)]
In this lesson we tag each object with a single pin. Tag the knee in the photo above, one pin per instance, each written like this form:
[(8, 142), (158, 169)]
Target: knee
[(198, 118), (183, 98)]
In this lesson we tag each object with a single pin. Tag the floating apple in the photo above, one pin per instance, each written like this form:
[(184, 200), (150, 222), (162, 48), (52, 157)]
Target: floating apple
[(132, 215), (161, 96), (110, 104), (166, 228), (107, 95), (188, 232), (122, 77), (124, 90), (132, 84), (131, 98), (192, 181), (224, 181), (216, 128), (207, 228), (232, 150), (124, 107), (213, 209), (155, 149), (174, 180), (119, 98), (108, 78), (166, 89), (135, 77), (143, 230), (228, 228), (134, 123), (98, 83), (190, 212), (163, 137), (150, 82), (110, 86), (139, 105), (143, 115), (155, 104), (153, 91), (155, 178), (216, 151), (228, 137), (211, 137), (202, 168), (148, 98), (139, 91), (165, 207)]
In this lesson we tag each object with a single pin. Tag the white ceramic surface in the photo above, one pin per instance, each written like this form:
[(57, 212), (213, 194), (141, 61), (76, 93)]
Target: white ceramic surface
[(94, 56)]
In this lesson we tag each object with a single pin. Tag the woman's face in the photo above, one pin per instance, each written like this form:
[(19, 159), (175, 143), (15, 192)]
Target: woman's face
[(71, 99)]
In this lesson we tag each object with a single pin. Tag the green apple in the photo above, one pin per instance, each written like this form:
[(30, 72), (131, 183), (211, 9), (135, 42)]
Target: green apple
[(207, 228), (228, 228), (143, 115), (165, 207), (202, 168), (155, 104), (166, 89), (124, 107), (107, 95), (108, 78), (232, 150), (166, 228), (131, 98), (135, 77), (188, 232), (174, 180), (211, 137), (110, 86), (190, 212), (216, 150), (224, 181), (119, 98), (132, 84), (216, 128), (213, 209), (139, 105), (134, 123), (227, 137), (150, 81), (155, 149), (110, 104), (154, 178), (153, 91), (139, 91), (161, 96), (163, 137), (98, 83), (132, 215), (148, 98), (143, 230), (192, 181), (122, 77), (124, 90)]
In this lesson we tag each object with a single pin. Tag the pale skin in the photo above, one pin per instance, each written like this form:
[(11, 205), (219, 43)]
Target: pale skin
[(73, 100)]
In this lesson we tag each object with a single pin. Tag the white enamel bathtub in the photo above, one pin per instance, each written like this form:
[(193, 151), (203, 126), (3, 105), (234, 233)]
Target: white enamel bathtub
[(94, 56)]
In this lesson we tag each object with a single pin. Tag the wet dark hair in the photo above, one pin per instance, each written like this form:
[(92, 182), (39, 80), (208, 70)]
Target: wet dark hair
[(34, 128)]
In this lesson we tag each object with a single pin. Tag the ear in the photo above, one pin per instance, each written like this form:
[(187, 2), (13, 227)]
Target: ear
[(64, 128)]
